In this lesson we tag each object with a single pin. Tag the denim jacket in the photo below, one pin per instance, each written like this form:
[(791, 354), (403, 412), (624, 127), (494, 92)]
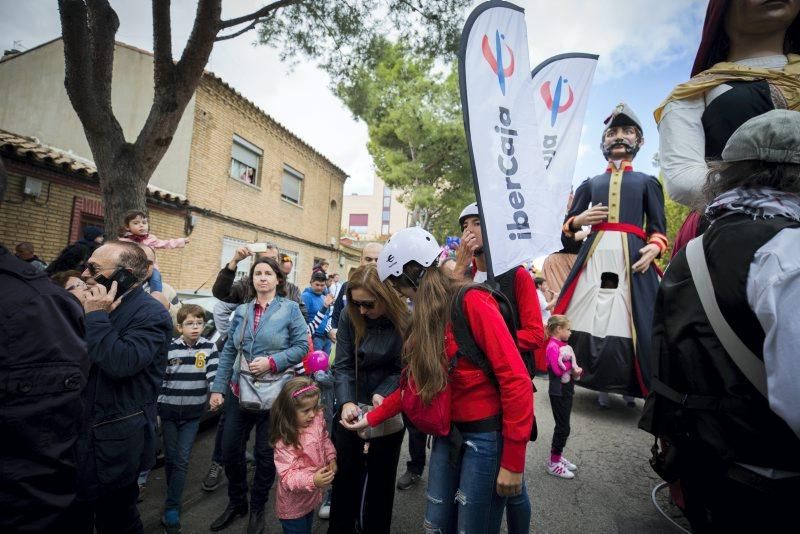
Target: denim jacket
[(281, 334)]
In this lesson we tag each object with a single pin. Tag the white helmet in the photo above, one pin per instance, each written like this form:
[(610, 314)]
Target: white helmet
[(470, 211), (409, 244)]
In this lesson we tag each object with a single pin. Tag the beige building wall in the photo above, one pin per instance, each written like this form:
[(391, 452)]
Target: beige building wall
[(372, 206), (230, 208), (34, 102)]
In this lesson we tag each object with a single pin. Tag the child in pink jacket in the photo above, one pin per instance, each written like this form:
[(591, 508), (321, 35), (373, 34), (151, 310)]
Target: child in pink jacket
[(136, 229), (305, 459)]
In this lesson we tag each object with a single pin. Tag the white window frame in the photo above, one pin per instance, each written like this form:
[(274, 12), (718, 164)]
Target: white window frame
[(229, 246), (247, 150)]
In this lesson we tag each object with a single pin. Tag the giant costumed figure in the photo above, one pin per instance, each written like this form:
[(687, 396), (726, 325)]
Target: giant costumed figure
[(610, 292), (747, 64)]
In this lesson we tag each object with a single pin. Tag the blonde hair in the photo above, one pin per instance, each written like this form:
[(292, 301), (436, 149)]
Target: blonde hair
[(424, 349), (556, 321), (366, 278), (283, 414)]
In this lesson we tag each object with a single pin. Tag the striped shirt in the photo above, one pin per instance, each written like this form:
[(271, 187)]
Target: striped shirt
[(190, 371)]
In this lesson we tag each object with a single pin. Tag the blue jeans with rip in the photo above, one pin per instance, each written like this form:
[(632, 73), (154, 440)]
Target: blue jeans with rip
[(462, 497), (301, 525), (179, 437)]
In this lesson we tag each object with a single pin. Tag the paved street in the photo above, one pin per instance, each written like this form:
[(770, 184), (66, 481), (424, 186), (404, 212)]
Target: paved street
[(610, 494)]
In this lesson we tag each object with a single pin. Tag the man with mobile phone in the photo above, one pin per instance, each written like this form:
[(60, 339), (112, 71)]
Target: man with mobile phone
[(127, 336)]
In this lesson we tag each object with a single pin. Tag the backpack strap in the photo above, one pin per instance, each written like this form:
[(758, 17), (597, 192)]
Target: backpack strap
[(747, 362), (463, 335)]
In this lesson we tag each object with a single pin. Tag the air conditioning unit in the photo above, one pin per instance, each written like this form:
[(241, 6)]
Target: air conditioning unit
[(33, 187)]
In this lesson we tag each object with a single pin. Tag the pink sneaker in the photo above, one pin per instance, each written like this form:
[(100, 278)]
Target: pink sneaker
[(558, 469), (569, 465)]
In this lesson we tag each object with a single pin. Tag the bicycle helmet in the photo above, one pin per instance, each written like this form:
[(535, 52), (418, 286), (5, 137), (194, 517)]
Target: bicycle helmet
[(407, 245)]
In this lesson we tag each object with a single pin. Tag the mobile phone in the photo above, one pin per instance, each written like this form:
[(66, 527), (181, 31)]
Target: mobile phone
[(123, 277), (257, 247)]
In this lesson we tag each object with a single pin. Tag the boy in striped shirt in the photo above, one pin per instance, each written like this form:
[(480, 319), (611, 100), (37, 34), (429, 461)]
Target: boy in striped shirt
[(191, 367)]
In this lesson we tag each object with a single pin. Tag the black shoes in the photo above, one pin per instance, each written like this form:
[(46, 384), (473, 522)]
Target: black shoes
[(228, 516), (407, 480), (214, 477), (256, 523)]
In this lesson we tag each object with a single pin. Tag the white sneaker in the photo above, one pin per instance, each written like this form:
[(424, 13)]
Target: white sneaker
[(569, 465), (325, 509), (558, 469)]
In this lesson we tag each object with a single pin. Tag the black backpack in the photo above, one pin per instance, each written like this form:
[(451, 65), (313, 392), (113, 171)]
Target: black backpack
[(467, 348)]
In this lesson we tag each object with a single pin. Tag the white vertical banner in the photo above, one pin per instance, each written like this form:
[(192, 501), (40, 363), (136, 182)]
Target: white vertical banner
[(561, 86), (502, 135)]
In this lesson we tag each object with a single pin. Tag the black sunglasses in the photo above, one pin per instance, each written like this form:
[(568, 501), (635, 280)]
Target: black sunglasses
[(366, 304)]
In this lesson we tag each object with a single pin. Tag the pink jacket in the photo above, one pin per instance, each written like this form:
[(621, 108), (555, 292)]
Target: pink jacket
[(552, 353), (297, 494), (153, 242)]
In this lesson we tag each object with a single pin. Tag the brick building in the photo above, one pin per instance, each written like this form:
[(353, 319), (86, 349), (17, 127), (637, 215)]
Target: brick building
[(232, 175)]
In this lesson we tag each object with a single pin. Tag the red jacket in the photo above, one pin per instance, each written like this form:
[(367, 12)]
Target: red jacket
[(474, 396), (530, 335)]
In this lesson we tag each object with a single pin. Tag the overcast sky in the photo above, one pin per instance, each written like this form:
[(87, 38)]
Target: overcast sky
[(644, 52)]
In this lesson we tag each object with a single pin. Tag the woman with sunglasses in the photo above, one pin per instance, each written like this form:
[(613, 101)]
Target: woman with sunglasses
[(469, 479), (366, 370)]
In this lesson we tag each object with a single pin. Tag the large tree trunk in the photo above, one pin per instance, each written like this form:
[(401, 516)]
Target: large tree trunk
[(123, 184), (88, 28)]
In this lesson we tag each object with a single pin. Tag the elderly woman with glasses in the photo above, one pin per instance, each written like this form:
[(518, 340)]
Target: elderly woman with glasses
[(367, 369), (71, 281)]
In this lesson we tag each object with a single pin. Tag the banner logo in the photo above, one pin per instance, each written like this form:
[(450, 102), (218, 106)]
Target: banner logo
[(496, 59), (553, 100)]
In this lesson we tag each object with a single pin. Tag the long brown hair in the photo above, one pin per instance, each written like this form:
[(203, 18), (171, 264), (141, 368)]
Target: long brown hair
[(424, 349), (283, 414), (366, 278)]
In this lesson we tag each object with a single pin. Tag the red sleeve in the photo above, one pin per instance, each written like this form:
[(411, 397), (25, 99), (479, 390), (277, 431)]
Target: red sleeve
[(516, 392), (530, 335), (388, 408)]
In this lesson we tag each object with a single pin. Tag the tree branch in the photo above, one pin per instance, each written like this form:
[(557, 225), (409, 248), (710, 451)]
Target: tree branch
[(257, 14), (170, 99), (103, 26), (163, 65), (240, 32), (77, 65)]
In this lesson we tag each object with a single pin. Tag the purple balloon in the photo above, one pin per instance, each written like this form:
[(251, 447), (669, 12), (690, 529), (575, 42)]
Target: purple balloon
[(316, 361)]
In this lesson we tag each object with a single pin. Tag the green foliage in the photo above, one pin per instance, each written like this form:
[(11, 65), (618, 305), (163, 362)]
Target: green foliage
[(342, 35), (412, 109)]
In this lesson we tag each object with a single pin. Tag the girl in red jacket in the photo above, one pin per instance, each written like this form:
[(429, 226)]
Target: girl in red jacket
[(469, 479)]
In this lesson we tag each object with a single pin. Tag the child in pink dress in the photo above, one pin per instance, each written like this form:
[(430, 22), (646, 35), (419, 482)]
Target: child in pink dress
[(305, 459)]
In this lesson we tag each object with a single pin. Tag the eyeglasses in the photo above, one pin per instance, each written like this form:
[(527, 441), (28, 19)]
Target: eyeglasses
[(192, 324), (77, 285), (366, 304), (95, 269)]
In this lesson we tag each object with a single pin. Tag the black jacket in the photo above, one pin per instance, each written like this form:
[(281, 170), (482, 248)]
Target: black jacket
[(379, 360), (43, 368), (228, 289), (128, 351)]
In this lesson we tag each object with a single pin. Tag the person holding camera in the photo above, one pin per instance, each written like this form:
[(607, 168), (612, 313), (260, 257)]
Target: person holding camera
[(366, 369), (127, 337)]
